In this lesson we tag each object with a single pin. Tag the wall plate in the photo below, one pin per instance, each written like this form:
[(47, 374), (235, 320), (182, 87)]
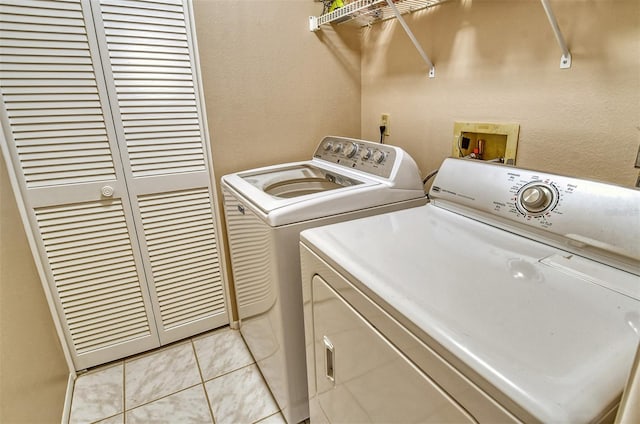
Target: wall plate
[(499, 141)]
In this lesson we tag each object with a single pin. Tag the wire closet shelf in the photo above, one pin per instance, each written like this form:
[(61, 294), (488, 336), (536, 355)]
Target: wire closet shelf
[(367, 12)]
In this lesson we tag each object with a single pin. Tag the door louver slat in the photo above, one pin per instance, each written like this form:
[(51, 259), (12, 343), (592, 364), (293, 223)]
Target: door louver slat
[(202, 292), (85, 286), (44, 44), (142, 85), (118, 290), (173, 275), (177, 288)]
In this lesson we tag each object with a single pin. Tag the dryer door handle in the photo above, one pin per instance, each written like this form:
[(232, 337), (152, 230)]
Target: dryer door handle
[(329, 360)]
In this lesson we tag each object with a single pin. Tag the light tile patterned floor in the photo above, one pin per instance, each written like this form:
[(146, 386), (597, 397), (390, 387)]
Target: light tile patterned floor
[(211, 378)]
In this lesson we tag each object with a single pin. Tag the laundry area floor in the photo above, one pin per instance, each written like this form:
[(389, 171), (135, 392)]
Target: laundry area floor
[(211, 378)]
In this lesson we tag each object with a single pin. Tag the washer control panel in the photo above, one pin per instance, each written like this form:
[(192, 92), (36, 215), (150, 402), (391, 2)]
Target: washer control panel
[(586, 212), (374, 158)]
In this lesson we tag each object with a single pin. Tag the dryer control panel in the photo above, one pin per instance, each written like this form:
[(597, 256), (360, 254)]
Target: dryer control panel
[(584, 212), (367, 156)]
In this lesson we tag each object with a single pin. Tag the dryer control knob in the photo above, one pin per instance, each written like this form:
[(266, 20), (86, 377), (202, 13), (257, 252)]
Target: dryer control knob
[(367, 154), (536, 198), (351, 150), (337, 148), (327, 146), (378, 156)]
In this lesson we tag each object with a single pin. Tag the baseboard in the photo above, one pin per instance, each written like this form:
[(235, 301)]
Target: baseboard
[(66, 411)]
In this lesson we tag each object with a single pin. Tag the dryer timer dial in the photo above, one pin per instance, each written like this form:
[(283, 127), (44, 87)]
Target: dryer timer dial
[(536, 198)]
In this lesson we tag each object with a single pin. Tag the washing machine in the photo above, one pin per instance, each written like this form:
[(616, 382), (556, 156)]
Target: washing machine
[(513, 296), (265, 211)]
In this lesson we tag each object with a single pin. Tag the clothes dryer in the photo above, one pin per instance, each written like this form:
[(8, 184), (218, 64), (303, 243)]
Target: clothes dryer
[(265, 211), (513, 296)]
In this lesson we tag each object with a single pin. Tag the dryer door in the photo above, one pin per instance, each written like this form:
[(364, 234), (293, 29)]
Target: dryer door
[(361, 377)]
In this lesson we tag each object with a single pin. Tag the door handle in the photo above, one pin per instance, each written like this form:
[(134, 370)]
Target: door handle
[(329, 360), (107, 191)]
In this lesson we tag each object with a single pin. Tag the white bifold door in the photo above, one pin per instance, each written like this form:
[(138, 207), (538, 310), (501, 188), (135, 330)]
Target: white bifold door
[(105, 139)]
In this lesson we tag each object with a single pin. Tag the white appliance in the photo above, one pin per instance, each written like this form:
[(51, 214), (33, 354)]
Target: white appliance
[(265, 211), (513, 296)]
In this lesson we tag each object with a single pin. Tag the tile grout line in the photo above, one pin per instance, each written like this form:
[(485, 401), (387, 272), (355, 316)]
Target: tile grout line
[(253, 361), (163, 397), (232, 371), (246, 347), (103, 368), (278, 412), (202, 382), (153, 352), (204, 388)]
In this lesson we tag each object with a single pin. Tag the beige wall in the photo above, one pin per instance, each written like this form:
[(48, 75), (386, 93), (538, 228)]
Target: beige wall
[(33, 371), (272, 88), (498, 61)]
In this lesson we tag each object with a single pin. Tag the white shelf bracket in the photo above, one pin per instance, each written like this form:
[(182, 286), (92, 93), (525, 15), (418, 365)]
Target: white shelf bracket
[(313, 23), (432, 69), (565, 60)]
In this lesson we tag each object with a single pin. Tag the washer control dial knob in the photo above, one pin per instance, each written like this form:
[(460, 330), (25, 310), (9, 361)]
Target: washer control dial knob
[(337, 148), (327, 146), (367, 154), (378, 156), (536, 198), (350, 150)]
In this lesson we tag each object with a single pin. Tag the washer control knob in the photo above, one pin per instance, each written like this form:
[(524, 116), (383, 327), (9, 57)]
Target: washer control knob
[(536, 198), (327, 146), (350, 150), (367, 154), (378, 156), (337, 148)]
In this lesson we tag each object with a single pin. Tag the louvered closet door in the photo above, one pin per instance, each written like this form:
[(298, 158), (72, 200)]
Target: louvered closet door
[(148, 56), (55, 118)]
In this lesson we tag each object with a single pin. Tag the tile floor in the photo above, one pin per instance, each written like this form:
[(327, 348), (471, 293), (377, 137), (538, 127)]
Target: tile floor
[(211, 378)]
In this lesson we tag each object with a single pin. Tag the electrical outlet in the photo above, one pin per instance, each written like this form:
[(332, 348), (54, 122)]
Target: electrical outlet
[(385, 120)]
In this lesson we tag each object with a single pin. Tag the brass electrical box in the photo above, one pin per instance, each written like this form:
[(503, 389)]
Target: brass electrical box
[(484, 141)]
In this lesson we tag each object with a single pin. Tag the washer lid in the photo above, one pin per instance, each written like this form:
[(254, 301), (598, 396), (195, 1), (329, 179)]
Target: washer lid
[(527, 327), (288, 187), (300, 191), (296, 180)]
